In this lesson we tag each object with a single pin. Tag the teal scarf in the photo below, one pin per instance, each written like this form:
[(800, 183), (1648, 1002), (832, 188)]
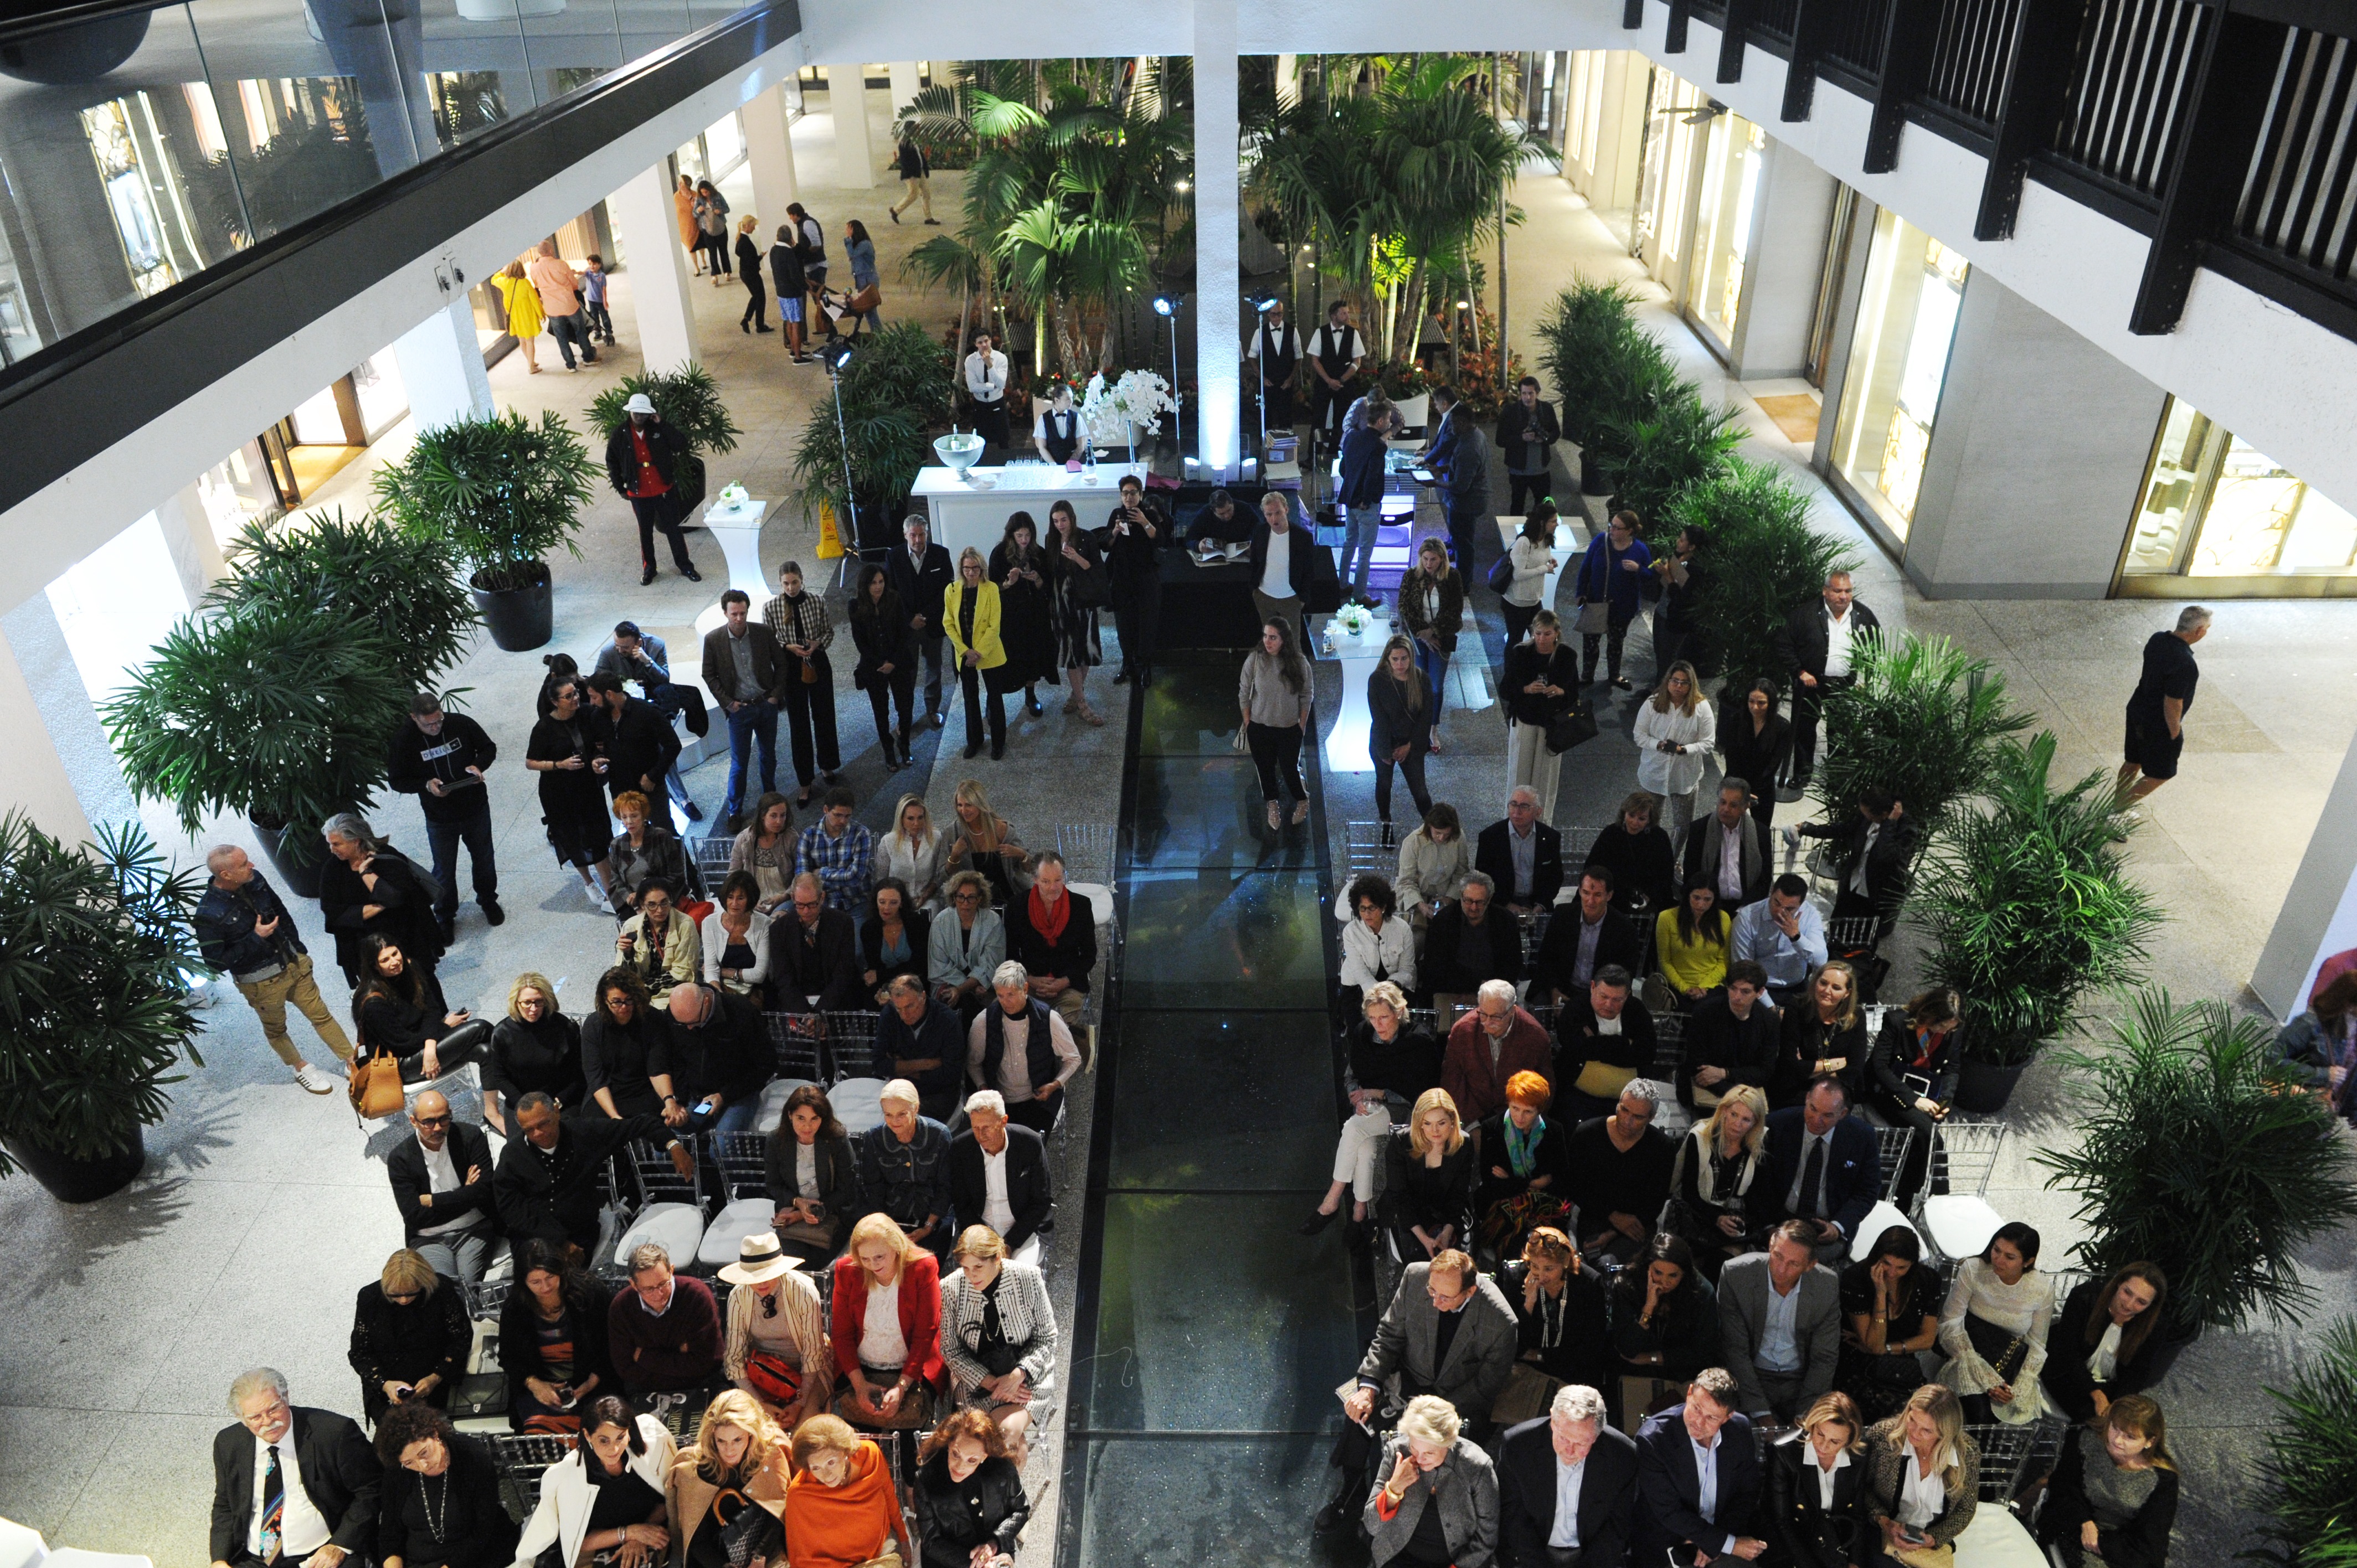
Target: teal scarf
[(1522, 1148)]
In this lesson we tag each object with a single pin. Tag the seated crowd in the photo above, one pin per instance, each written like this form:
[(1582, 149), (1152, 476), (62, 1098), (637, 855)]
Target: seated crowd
[(1608, 1342)]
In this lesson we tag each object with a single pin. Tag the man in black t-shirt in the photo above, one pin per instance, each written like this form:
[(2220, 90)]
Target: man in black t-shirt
[(2156, 727)]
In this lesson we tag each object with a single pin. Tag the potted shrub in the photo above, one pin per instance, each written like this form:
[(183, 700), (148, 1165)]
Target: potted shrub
[(1764, 560), (2196, 1152), (2028, 908), (1923, 722), (895, 393), (2309, 1478), (364, 572), (1584, 337), (689, 401), (276, 712), (94, 1014), (1660, 446), (501, 492)]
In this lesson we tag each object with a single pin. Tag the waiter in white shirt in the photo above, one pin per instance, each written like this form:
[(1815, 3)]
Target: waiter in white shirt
[(986, 385), (1276, 347), (1056, 433)]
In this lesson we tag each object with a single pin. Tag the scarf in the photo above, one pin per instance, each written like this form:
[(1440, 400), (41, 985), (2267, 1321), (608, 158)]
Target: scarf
[(1927, 1046), (1050, 923), (1521, 1148)]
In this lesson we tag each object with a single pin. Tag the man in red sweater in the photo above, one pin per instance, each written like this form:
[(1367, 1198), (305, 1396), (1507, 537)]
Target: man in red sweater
[(1489, 1044), (663, 1331)]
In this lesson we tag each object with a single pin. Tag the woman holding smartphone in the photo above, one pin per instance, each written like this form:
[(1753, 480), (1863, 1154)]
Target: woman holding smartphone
[(1923, 1479)]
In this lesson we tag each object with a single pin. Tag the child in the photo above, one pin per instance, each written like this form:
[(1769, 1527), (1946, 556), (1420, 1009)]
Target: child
[(593, 301)]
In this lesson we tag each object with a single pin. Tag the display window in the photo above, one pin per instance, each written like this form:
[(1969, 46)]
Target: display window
[(2216, 508), (1914, 287)]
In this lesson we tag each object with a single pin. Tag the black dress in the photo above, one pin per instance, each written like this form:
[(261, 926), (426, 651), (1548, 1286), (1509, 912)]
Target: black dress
[(1027, 618), (1075, 592), (1416, 1194), (622, 1500), (1645, 869), (1406, 1067), (1755, 758), (450, 1520), (572, 799), (1881, 1384), (1804, 1040), (987, 1508), (1570, 1331), (544, 1056)]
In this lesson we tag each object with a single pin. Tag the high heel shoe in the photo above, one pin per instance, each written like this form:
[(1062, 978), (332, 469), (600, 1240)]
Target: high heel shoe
[(1317, 1221)]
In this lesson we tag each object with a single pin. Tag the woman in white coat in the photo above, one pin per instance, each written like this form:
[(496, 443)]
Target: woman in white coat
[(1377, 945), (917, 853), (607, 1496), (1673, 731)]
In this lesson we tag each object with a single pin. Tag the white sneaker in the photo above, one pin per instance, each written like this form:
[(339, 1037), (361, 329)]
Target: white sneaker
[(313, 1079), (597, 900)]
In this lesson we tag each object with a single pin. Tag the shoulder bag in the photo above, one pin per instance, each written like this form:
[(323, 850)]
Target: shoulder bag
[(1566, 730), (1501, 573), (375, 1085), (2003, 1350)]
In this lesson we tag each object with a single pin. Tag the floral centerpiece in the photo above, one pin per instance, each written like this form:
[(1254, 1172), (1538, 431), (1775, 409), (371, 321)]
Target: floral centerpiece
[(1353, 618), (1115, 409), (732, 496)]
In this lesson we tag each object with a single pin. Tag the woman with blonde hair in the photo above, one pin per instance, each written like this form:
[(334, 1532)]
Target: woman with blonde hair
[(410, 1335), (885, 1327), (968, 1494), (984, 841), (1719, 1202), (1823, 1032), (1637, 852), (534, 1047), (728, 1493), (998, 1336), (1816, 1513), (1403, 707), (1389, 1057), (914, 851), (1428, 1178), (748, 271), (525, 318), (2113, 1495), (970, 616), (1923, 1480), (1429, 1465), (1432, 608), (967, 945), (1674, 732), (840, 1509)]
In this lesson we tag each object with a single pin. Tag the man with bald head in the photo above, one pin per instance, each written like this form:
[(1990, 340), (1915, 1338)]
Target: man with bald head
[(721, 1053), (246, 933), (441, 1179)]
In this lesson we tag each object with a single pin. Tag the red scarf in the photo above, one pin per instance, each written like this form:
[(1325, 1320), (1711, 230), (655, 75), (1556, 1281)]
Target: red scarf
[(1049, 924)]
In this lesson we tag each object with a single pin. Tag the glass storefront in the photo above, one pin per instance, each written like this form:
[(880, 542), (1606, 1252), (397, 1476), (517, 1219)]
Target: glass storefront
[(2213, 507), (1897, 361), (1675, 111), (1730, 184)]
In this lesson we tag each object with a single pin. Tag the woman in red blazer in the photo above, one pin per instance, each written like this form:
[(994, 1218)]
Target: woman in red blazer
[(891, 1367)]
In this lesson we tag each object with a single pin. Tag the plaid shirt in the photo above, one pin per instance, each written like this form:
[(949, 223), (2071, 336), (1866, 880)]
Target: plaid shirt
[(804, 621), (842, 864)]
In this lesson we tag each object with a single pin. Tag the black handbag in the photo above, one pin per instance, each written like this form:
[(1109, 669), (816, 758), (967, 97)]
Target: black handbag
[(1568, 730), (2002, 1349)]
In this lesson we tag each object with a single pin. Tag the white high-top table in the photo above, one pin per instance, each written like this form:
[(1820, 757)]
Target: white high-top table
[(963, 514)]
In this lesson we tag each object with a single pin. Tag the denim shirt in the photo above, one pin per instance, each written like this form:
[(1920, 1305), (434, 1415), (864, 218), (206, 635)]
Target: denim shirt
[(907, 1181)]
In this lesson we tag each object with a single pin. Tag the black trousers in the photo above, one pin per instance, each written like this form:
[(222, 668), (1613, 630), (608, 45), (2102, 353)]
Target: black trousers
[(1615, 633), (660, 512), (1522, 486), (1413, 766), (1807, 703), (1464, 519), (716, 247), (1039, 1115), (1518, 619), (971, 680), (990, 422), (443, 839), (809, 717), (1918, 1163), (883, 691), (1670, 638), (757, 303), (1138, 619), (1277, 753), (929, 644)]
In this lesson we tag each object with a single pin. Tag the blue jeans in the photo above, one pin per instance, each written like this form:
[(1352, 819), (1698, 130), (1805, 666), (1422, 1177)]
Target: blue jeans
[(1435, 666), (1358, 536), (572, 331), (443, 838), (738, 1117), (746, 722)]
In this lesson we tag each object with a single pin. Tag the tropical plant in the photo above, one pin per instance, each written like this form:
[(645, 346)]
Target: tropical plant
[(895, 391), (276, 712), (361, 571), (1397, 379), (501, 492), (1923, 721), (93, 1011), (242, 198), (2198, 1152), (1658, 448), (688, 399), (2029, 905), (2308, 1482), (1579, 334), (1764, 558)]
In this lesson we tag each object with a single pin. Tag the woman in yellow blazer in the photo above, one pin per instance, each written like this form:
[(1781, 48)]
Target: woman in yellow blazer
[(739, 1467), (970, 616), (525, 318)]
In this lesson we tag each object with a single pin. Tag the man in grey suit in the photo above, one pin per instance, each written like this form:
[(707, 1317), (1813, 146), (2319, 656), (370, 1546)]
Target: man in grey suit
[(1779, 1325), (1449, 1332)]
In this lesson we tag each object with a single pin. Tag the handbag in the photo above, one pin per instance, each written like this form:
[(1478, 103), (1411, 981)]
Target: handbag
[(865, 300), (375, 1087), (1501, 574), (1510, 1220), (1088, 590), (771, 1380), (1566, 730), (2004, 1351), (1595, 617)]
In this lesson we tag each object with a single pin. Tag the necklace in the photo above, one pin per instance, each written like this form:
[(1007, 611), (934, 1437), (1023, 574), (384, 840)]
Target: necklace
[(435, 1512)]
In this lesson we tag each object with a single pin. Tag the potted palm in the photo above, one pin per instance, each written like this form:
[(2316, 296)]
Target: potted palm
[(1584, 337), (1765, 558), (2195, 1152), (94, 1014), (276, 712), (2028, 908), (895, 393), (356, 571), (501, 492), (1923, 721), (2309, 1474), (1659, 446), (689, 401)]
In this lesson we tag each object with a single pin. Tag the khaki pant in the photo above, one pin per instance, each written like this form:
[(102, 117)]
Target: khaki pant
[(1072, 1006), (914, 191), (269, 998), (1287, 610)]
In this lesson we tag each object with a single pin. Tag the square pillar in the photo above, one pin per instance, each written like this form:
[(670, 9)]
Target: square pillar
[(854, 143), (2319, 915), (1218, 285), (442, 368), (196, 549), (904, 85), (769, 151), (1785, 257), (38, 784), (646, 226)]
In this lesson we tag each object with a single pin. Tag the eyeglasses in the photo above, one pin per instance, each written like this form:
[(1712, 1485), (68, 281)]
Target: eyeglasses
[(431, 1120)]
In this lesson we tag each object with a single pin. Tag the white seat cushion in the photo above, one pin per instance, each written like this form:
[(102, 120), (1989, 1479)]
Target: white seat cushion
[(75, 1557), (1099, 898), (745, 1216), (1960, 1227), (678, 1228), (773, 1103), (855, 1105), (1880, 1218), (1996, 1538), (1029, 1253)]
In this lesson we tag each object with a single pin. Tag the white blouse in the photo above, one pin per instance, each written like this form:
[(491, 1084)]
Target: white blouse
[(2024, 1307), (1668, 772), (1363, 951), (882, 1343), (916, 862), (1922, 1497), (1533, 562)]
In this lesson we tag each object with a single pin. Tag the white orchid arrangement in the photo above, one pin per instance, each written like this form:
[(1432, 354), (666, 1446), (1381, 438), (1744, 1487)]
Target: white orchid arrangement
[(732, 496), (1353, 618), (1139, 397)]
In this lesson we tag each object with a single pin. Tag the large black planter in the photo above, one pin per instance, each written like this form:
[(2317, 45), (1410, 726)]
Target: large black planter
[(518, 618), (1985, 1087), (70, 1180), (299, 880)]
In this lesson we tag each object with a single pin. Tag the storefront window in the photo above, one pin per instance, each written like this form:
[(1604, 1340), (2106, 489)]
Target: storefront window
[(1723, 222), (1674, 108), (2216, 507), (1899, 359)]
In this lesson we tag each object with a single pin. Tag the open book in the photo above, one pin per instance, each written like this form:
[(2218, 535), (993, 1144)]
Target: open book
[(1208, 550)]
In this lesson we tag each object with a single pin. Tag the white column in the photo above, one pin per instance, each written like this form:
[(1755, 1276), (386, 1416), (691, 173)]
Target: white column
[(904, 84), (1219, 333), (442, 370), (2319, 914), (37, 783), (1785, 258), (855, 145), (1288, 80), (770, 149), (647, 225), (196, 549)]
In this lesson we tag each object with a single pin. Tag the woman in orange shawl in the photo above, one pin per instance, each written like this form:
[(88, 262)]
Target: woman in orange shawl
[(683, 198), (840, 1509)]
